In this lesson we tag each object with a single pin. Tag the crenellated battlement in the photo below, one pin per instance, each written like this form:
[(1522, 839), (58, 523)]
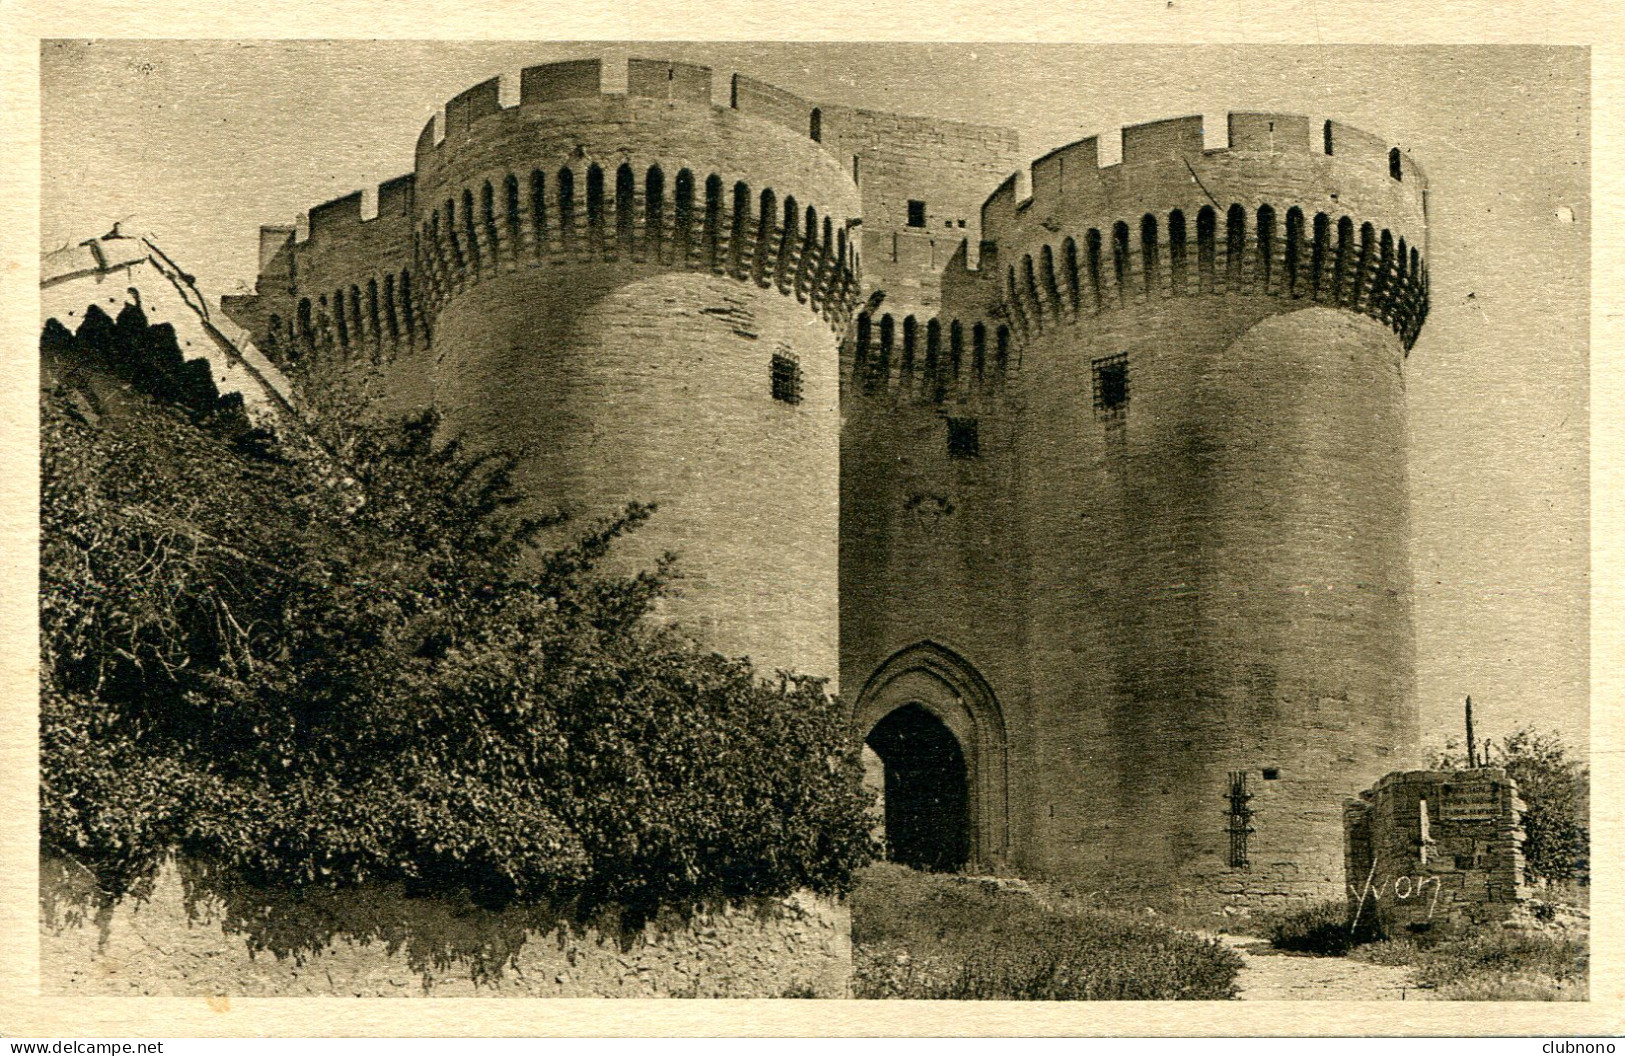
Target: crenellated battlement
[(538, 85), (541, 181), (653, 176), (331, 217), (969, 353), (559, 82), (1323, 213), (345, 286), (336, 218), (1164, 156), (836, 130)]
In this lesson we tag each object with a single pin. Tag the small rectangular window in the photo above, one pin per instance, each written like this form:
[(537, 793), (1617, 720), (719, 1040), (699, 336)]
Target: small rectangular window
[(963, 441), (786, 378), (916, 213), (1111, 385)]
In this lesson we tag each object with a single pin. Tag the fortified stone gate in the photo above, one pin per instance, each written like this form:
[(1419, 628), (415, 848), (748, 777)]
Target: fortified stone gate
[(1092, 497)]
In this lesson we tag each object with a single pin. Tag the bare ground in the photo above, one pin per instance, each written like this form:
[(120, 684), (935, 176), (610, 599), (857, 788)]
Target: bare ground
[(1275, 975)]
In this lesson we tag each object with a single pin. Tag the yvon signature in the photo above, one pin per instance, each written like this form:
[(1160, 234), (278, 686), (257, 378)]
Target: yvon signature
[(1403, 888)]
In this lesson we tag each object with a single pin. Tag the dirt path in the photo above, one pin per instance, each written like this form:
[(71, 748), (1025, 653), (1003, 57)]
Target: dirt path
[(1271, 975)]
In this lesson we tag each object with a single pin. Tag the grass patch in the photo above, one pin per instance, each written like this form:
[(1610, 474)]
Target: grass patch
[(1456, 963), (925, 936), (1492, 964)]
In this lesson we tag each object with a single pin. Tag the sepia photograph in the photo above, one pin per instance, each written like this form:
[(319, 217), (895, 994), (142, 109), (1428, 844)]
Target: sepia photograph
[(859, 521)]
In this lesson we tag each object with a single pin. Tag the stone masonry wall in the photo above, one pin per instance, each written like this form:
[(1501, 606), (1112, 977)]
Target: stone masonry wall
[(947, 166), (640, 384), (930, 554), (1430, 847), (1224, 589), (190, 938)]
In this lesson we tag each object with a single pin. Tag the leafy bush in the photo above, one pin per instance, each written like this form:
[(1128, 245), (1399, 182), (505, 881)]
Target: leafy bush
[(1326, 928), (926, 936), (1556, 789), (326, 675)]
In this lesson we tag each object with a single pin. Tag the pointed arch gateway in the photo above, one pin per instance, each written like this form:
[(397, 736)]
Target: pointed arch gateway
[(939, 733)]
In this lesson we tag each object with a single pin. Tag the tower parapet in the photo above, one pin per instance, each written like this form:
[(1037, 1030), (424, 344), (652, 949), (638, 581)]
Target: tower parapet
[(345, 289), (1341, 222), (654, 176)]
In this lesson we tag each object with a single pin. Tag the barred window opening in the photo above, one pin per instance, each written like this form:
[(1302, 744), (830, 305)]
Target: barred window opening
[(963, 441), (786, 374), (1239, 817), (1110, 377)]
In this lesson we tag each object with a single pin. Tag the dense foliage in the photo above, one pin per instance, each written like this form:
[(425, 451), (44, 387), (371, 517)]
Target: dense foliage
[(1327, 928), (368, 672), (1556, 790), (929, 936)]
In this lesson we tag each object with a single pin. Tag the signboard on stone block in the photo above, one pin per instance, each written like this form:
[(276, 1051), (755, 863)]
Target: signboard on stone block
[(1470, 806)]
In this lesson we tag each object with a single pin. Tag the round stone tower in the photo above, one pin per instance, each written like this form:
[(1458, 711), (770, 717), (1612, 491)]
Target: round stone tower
[(1214, 508), (646, 291)]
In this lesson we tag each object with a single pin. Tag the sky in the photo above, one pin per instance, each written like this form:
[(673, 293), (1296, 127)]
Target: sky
[(199, 143)]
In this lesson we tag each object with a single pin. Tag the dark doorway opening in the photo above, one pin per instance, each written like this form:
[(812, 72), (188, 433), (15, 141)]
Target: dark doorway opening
[(927, 801)]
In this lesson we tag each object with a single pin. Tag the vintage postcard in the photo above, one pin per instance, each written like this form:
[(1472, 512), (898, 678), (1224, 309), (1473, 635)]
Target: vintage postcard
[(871, 521)]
